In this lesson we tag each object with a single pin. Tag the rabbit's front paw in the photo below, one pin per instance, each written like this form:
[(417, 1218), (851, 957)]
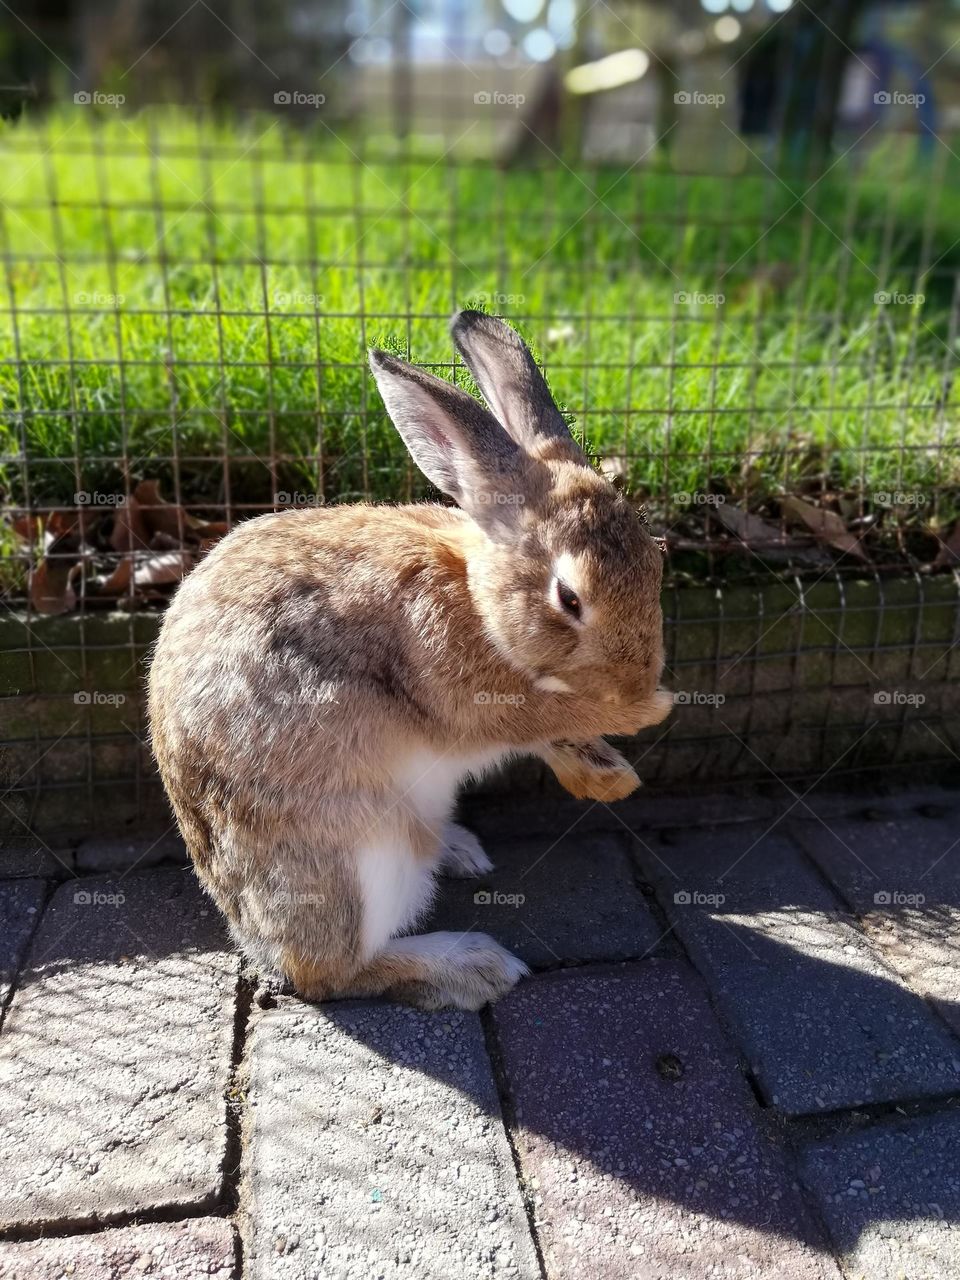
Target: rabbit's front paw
[(591, 770), (461, 854)]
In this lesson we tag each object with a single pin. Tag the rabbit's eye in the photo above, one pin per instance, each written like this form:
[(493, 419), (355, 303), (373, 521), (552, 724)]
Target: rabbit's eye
[(569, 599)]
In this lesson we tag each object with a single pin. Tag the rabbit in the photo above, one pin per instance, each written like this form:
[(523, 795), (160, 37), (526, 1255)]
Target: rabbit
[(326, 678)]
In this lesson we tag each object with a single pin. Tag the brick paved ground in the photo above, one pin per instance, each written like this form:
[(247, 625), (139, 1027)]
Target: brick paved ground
[(739, 1056)]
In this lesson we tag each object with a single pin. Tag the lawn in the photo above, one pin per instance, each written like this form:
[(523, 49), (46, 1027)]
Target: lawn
[(176, 294)]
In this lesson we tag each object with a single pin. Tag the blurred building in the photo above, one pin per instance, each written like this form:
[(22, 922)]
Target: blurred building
[(613, 81)]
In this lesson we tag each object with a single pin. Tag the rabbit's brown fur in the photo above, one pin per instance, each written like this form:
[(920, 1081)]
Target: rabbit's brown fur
[(325, 678)]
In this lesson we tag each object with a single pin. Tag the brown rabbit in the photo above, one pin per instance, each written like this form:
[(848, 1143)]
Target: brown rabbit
[(326, 678)]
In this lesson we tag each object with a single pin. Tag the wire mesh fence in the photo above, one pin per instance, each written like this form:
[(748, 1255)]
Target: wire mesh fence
[(763, 358)]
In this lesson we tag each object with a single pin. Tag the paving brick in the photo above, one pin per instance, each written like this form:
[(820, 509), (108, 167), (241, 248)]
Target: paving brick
[(21, 855), (527, 814), (647, 809), (901, 874), (824, 1022), (375, 1148), (198, 1249), (890, 1196), (888, 802), (640, 1140), (116, 1053), (20, 904), (95, 853), (579, 901)]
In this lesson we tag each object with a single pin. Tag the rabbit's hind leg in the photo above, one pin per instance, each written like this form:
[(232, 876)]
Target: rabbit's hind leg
[(430, 970), (440, 971), (433, 971), (386, 885)]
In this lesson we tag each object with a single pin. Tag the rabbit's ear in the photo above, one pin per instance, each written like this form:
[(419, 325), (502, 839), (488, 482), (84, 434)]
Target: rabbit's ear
[(511, 383), (454, 441)]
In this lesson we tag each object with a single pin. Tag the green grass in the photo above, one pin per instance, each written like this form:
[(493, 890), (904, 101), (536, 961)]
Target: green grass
[(203, 230)]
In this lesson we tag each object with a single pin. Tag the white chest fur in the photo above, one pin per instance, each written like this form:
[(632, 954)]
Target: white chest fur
[(396, 885), (428, 781)]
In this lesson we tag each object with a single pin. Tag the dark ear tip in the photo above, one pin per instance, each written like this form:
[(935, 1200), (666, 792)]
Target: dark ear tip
[(382, 360), (463, 321), (467, 323)]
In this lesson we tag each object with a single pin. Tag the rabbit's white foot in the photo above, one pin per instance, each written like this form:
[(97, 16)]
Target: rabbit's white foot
[(430, 970), (460, 970), (461, 854)]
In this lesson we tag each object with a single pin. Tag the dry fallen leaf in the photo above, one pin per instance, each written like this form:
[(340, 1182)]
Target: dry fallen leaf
[(158, 570), (129, 529), (751, 529), (164, 542), (28, 526), (159, 516), (143, 522), (50, 589), (823, 524), (949, 550), (49, 584), (171, 519), (209, 529), (116, 583), (764, 538)]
